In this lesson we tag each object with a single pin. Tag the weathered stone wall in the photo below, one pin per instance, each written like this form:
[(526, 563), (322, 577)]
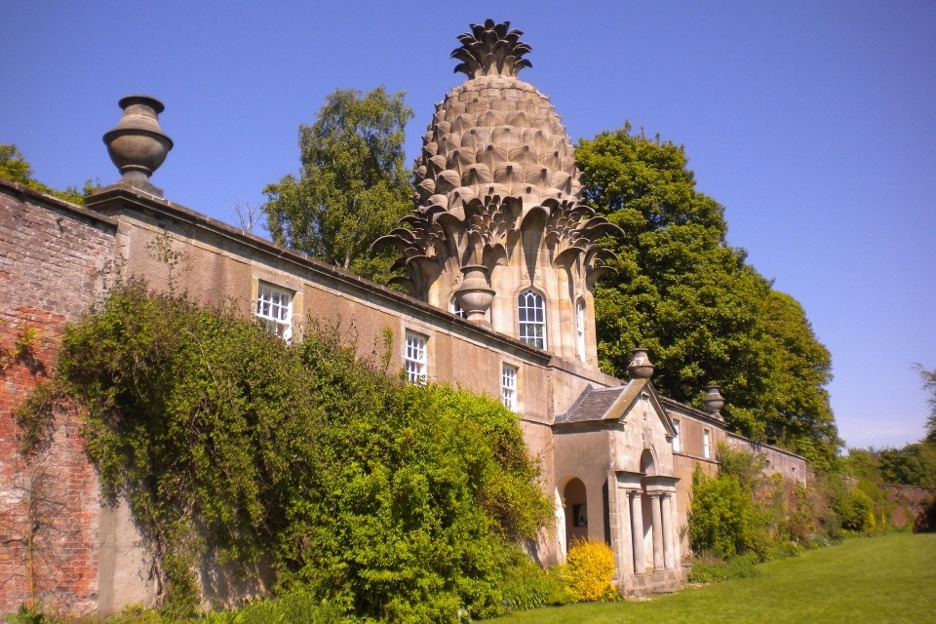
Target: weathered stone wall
[(51, 255), (781, 462), (908, 502), (89, 556)]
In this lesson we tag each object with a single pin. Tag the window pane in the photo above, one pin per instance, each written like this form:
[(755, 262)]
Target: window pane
[(531, 312), (274, 308)]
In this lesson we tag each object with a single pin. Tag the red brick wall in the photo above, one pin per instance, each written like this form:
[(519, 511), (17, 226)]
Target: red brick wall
[(50, 257)]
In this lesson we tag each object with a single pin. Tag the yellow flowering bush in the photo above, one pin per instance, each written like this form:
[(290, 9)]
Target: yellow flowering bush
[(589, 571)]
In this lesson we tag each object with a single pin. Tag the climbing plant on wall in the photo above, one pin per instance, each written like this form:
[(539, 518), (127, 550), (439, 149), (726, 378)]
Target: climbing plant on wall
[(397, 502)]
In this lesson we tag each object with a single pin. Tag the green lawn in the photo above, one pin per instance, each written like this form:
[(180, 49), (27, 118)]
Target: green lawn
[(884, 579)]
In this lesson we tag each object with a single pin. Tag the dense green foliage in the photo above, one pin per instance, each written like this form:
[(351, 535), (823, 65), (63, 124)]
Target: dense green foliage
[(704, 313), (15, 168), (392, 501), (865, 498), (913, 464), (743, 511), (722, 517), (353, 187), (929, 385), (885, 579), (717, 571)]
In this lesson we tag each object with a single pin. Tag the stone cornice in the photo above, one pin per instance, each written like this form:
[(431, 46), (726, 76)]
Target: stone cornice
[(114, 201)]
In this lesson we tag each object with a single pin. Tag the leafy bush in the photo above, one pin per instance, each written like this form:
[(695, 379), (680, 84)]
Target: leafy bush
[(855, 509), (294, 607), (532, 587), (28, 616), (716, 571), (589, 571), (743, 510), (389, 501), (721, 519)]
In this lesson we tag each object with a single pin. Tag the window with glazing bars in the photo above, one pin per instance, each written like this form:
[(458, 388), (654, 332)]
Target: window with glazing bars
[(532, 313), (580, 329), (509, 387), (274, 309), (414, 358)]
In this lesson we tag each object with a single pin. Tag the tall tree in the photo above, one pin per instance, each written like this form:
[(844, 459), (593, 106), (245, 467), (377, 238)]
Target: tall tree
[(794, 395), (929, 384), (705, 314), (353, 186)]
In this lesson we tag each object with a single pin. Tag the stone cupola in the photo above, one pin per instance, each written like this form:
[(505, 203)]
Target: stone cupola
[(497, 210)]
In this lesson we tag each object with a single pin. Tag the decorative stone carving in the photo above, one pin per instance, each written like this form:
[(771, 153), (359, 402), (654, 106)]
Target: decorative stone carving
[(713, 400), (497, 177), (640, 366), (475, 295), (137, 145)]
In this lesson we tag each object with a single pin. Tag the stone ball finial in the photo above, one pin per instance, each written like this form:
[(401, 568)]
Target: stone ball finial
[(640, 366), (713, 400), (137, 145)]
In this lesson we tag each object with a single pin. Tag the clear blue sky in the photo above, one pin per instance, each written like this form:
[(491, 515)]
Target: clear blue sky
[(813, 123)]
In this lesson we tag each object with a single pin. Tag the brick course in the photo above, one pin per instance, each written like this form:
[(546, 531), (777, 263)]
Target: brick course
[(51, 255)]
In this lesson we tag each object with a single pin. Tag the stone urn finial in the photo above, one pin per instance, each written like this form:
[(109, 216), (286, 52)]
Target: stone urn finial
[(475, 295), (713, 400), (640, 366), (137, 145)]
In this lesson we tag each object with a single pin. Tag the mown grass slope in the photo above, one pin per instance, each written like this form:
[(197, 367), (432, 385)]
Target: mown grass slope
[(886, 579)]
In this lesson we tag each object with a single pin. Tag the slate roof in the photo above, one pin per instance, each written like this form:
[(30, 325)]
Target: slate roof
[(600, 404)]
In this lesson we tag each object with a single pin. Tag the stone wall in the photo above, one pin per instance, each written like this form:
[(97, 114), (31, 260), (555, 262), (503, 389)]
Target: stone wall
[(88, 556), (908, 504), (51, 256), (790, 465)]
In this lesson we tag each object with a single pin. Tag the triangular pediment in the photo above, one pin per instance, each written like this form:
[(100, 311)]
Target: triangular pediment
[(609, 405)]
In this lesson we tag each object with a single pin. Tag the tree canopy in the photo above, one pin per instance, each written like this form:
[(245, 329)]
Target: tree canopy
[(704, 313), (929, 385), (353, 186), (15, 168)]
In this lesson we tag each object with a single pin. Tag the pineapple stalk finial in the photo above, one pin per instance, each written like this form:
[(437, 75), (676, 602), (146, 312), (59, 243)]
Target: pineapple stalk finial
[(491, 49)]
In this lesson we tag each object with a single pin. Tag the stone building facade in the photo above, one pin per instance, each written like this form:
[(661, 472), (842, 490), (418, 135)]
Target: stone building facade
[(500, 261)]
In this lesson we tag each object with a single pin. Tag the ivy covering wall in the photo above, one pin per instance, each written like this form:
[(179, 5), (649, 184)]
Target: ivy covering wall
[(392, 501)]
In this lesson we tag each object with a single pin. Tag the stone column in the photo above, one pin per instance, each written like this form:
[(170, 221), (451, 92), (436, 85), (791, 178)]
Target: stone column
[(657, 530), (668, 552), (622, 542), (674, 531), (640, 555)]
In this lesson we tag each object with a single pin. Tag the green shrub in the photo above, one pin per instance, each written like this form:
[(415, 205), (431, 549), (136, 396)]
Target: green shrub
[(589, 571), (716, 571), (530, 586), (855, 509), (388, 501), (721, 517), (29, 616), (293, 607)]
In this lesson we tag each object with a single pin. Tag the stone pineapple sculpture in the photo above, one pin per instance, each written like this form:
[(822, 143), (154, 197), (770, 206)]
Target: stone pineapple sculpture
[(496, 183)]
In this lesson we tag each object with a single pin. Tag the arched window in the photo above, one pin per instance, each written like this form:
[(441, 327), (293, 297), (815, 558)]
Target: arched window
[(532, 313), (456, 309), (580, 329)]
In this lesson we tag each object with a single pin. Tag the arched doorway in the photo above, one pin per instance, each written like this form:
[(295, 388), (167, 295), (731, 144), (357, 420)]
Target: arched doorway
[(575, 497), (648, 468)]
